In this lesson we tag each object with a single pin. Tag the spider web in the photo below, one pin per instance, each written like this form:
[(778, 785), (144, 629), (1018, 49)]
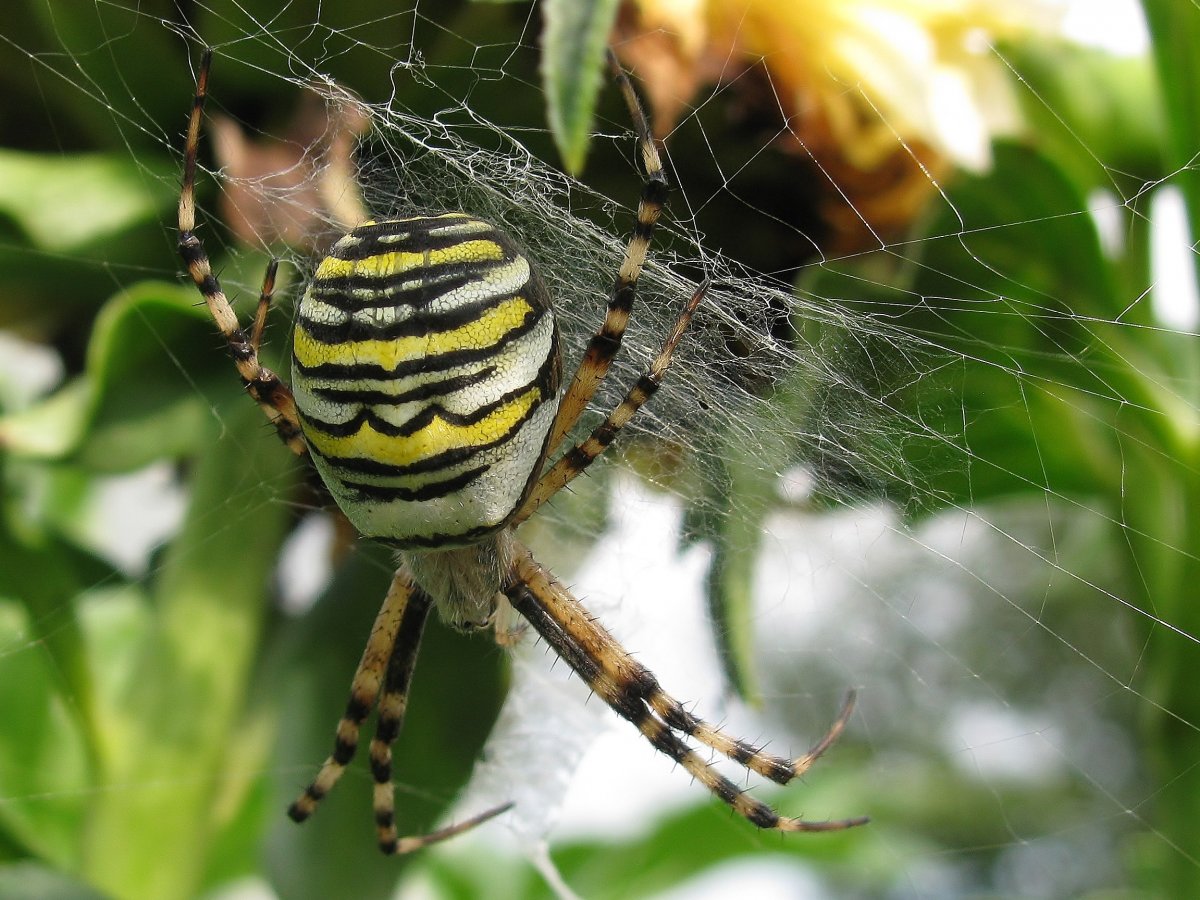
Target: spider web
[(1005, 621)]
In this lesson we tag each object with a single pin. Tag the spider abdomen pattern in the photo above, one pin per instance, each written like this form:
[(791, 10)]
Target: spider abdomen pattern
[(426, 368)]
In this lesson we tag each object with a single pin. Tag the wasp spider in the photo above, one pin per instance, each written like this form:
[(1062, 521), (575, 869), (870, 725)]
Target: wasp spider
[(426, 372)]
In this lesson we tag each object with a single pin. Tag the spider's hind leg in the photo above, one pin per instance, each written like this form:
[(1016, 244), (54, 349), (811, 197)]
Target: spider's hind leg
[(779, 769), (383, 676), (364, 692), (393, 703), (632, 691)]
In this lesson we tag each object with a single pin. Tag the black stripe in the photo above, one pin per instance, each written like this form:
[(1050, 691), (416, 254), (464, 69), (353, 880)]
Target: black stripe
[(679, 718), (726, 790), (343, 751), (763, 816), (601, 349), (422, 392), (578, 460), (209, 286), (439, 541), (742, 752), (356, 710), (626, 703), (431, 491), (622, 295), (433, 283), (643, 230), (527, 604), (414, 326), (189, 248), (401, 663), (444, 460), (449, 360), (422, 419), (545, 382), (417, 287), (656, 189), (605, 433), (665, 741), (417, 237)]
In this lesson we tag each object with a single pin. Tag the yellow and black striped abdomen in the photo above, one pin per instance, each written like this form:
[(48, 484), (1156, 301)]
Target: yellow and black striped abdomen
[(426, 368)]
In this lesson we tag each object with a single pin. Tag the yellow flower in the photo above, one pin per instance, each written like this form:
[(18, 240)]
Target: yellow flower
[(875, 72), (880, 94)]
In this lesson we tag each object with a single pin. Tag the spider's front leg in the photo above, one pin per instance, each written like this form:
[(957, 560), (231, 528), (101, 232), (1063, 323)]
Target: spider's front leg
[(576, 460), (603, 347), (272, 395)]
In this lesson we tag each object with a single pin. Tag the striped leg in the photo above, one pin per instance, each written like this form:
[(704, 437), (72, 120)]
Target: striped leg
[(392, 705), (383, 674), (777, 768), (632, 677), (262, 384), (634, 694), (264, 305), (607, 341), (364, 691), (579, 457)]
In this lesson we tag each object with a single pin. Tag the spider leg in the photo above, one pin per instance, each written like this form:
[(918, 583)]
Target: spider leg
[(579, 457), (393, 703), (607, 341), (264, 305), (633, 693), (364, 691), (777, 768), (634, 678), (383, 675), (261, 383)]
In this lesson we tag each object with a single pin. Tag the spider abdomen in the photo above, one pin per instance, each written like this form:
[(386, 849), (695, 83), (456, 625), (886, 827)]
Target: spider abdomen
[(426, 368)]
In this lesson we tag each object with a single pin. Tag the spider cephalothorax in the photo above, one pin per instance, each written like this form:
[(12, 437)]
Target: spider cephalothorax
[(426, 374)]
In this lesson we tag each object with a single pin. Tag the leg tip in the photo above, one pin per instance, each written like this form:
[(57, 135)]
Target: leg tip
[(299, 811)]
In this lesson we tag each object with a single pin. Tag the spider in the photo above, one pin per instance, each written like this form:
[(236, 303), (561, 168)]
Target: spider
[(426, 377)]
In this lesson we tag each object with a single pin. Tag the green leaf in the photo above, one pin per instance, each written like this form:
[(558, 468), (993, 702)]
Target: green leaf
[(69, 225), (151, 362), (573, 51), (1175, 29), (168, 735), (33, 881), (683, 845), (52, 428), (125, 97), (1095, 114), (49, 691), (741, 484), (1025, 215), (66, 202), (741, 492), (45, 774), (1019, 414), (1162, 520)]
